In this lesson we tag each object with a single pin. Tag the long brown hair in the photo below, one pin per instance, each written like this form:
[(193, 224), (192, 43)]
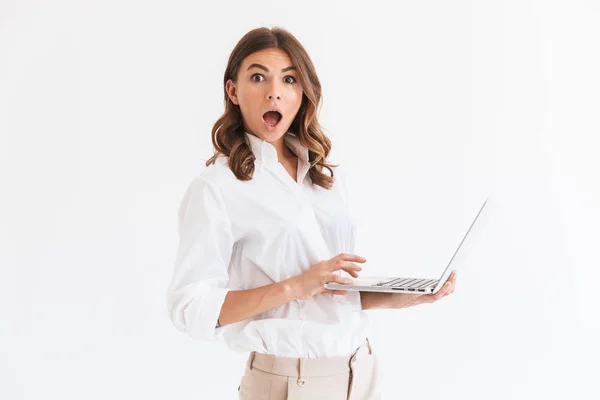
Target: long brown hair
[(228, 135)]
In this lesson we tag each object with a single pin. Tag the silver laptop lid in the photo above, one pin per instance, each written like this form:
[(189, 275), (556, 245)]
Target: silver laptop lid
[(473, 233)]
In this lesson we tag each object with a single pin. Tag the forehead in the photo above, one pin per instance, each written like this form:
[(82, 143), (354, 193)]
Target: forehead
[(270, 58)]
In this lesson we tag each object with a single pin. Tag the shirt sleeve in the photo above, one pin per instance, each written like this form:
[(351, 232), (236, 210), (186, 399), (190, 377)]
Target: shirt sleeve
[(199, 283)]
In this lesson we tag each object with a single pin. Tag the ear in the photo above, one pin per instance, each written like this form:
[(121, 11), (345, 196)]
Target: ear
[(231, 91)]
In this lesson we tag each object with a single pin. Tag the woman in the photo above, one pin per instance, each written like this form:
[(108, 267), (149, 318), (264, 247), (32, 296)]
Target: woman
[(264, 227)]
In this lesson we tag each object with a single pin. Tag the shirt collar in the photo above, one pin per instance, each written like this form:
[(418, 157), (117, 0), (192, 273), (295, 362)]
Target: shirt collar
[(266, 153)]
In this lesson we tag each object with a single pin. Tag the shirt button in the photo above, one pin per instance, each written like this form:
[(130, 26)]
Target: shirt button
[(301, 382)]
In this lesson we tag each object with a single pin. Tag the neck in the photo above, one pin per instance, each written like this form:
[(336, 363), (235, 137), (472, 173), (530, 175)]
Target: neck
[(283, 152)]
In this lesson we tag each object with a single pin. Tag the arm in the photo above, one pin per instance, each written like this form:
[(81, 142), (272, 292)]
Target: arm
[(199, 284), (198, 299), (374, 300), (243, 304)]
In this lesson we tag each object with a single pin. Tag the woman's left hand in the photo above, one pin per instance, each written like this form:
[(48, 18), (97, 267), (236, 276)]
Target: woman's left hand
[(403, 300)]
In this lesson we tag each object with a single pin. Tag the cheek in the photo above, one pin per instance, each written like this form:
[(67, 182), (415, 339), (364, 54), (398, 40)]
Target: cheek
[(249, 98), (249, 94), (295, 96)]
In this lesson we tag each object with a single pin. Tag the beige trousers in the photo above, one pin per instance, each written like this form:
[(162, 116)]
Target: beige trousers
[(268, 377)]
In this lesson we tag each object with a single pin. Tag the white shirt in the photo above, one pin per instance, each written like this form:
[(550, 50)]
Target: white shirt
[(238, 235)]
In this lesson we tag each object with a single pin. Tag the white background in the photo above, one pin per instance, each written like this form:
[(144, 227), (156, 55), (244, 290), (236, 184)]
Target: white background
[(105, 116)]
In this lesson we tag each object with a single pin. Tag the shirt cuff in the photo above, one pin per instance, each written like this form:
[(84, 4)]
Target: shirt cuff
[(202, 314)]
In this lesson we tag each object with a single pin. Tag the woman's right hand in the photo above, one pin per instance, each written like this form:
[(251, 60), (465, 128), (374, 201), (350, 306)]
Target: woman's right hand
[(311, 282)]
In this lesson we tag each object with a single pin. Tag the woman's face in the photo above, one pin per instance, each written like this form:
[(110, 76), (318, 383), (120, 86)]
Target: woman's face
[(267, 79)]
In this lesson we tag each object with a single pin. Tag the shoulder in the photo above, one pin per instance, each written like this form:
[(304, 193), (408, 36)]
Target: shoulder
[(218, 175), (207, 183), (205, 189)]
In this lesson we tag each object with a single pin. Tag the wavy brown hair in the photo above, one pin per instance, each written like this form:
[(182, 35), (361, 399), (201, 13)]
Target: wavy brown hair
[(228, 135)]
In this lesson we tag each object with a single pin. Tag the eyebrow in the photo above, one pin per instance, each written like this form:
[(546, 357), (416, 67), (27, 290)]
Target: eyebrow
[(255, 65)]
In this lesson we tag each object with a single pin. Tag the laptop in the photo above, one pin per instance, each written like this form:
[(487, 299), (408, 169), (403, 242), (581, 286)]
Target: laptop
[(421, 285)]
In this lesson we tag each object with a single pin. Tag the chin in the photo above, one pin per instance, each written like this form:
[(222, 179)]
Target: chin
[(274, 135)]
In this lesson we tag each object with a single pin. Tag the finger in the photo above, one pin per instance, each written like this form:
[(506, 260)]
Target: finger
[(453, 287), (350, 257), (452, 277), (430, 298), (346, 266), (448, 289), (351, 268), (340, 279), (442, 292), (353, 273)]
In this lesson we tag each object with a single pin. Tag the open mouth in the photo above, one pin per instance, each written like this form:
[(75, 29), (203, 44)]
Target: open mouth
[(272, 118)]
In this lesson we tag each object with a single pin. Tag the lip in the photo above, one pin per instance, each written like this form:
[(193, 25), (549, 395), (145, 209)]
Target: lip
[(271, 128), (273, 108), (267, 126)]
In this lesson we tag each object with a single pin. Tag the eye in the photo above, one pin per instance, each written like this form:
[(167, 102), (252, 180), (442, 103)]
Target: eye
[(289, 76)]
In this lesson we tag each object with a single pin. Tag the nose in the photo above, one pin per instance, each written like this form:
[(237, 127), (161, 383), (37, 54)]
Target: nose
[(273, 92)]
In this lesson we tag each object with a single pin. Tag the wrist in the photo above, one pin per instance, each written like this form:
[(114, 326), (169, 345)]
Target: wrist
[(405, 300), (289, 288)]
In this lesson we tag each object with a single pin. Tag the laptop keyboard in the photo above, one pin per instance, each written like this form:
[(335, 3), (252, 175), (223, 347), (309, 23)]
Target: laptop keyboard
[(411, 284)]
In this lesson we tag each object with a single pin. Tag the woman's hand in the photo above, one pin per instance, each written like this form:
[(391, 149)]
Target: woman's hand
[(311, 282), (402, 300)]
